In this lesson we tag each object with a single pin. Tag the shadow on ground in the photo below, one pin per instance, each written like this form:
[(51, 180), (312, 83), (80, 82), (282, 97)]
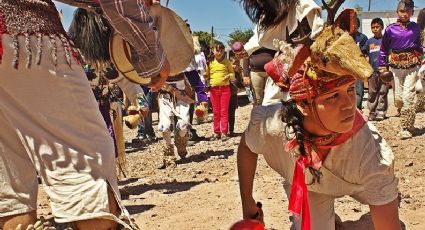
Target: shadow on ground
[(165, 188), (223, 154), (136, 209), (364, 223)]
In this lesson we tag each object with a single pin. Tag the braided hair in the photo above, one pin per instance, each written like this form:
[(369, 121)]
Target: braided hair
[(294, 118), (268, 13)]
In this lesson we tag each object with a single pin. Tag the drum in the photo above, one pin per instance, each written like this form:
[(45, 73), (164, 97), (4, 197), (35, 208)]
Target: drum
[(175, 38)]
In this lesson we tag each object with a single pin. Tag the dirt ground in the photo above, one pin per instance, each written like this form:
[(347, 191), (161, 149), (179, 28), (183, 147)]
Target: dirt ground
[(202, 191)]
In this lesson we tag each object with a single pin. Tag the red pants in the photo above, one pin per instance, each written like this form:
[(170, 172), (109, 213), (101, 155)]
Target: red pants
[(220, 97)]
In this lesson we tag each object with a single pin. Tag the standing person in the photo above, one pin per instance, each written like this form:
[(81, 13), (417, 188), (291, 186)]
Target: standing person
[(322, 131), (145, 132), (253, 69), (233, 104), (360, 40), (171, 106), (220, 72), (377, 101), (192, 75), (51, 124), (420, 100), (400, 53)]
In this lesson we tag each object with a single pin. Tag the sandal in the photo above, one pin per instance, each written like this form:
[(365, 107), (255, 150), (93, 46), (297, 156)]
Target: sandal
[(215, 137)]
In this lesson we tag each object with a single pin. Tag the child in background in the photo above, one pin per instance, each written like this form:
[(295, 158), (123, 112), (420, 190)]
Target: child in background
[(219, 73), (360, 40), (233, 105), (401, 52), (377, 102)]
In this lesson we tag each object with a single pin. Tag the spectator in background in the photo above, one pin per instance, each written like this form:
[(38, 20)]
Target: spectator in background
[(400, 53), (420, 96), (360, 40), (233, 104), (253, 71), (219, 73), (145, 132), (378, 90)]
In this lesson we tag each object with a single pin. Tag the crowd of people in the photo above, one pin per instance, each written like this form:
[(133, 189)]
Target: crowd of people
[(62, 98)]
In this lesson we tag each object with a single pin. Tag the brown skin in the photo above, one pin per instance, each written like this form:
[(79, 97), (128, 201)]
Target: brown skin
[(404, 15), (158, 82), (343, 99), (247, 165), (376, 30)]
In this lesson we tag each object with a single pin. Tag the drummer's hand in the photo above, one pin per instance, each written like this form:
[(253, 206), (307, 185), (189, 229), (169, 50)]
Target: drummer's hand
[(157, 82)]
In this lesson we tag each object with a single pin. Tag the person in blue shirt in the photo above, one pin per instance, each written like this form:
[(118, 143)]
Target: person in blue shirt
[(360, 40), (377, 101)]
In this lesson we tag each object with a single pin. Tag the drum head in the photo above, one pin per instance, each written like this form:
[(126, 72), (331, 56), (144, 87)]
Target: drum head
[(121, 57), (175, 38)]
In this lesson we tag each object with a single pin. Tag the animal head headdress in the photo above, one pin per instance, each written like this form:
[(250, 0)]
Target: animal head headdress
[(331, 60)]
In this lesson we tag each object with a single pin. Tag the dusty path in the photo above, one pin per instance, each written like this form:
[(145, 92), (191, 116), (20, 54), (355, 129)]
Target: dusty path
[(202, 191)]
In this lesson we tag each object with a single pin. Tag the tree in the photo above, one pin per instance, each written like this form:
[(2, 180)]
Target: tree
[(240, 36), (204, 39)]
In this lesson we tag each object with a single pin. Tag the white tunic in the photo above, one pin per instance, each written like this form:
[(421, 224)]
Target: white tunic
[(362, 167)]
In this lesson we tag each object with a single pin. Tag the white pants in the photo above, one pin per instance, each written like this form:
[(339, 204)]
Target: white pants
[(51, 125), (167, 111), (404, 86)]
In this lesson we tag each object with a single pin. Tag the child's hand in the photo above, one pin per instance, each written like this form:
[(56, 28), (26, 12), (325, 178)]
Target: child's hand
[(226, 77)]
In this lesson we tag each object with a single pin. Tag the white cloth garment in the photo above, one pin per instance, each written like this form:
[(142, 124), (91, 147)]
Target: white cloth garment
[(362, 167)]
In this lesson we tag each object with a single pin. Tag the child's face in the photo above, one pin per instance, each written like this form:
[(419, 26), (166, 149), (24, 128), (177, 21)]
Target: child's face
[(235, 63), (218, 52), (335, 109), (376, 29), (404, 14)]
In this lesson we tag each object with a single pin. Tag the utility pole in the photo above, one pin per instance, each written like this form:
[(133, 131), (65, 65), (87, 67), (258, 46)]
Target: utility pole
[(212, 36), (368, 9)]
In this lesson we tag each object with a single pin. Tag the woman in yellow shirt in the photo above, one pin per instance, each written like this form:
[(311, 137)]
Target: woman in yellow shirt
[(219, 73)]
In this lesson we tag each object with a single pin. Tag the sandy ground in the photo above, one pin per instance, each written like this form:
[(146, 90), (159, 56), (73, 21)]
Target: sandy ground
[(202, 191)]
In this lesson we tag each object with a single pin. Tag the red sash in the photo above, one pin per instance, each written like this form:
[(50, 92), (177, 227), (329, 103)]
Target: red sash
[(298, 199)]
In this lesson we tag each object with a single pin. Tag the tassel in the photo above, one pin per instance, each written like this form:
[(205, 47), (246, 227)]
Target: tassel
[(39, 49), (15, 46), (54, 48), (28, 50)]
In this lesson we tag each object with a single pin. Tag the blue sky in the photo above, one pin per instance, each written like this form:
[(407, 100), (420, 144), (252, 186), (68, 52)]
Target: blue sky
[(228, 15)]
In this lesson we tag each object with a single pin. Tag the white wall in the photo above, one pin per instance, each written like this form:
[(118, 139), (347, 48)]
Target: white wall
[(388, 17)]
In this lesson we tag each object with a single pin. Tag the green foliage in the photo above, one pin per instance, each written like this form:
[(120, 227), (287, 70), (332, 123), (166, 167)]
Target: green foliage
[(240, 35), (204, 38)]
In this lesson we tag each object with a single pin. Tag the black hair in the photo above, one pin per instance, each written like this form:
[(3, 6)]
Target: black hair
[(268, 13), (378, 21), (407, 4), (294, 118), (358, 22), (90, 32)]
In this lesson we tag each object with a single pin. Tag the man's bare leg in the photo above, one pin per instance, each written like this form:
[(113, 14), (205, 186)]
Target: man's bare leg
[(11, 222), (99, 223)]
